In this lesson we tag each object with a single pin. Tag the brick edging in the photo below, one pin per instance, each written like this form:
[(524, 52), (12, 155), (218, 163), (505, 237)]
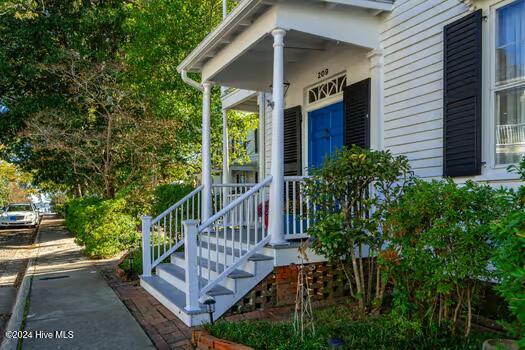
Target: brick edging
[(205, 341)]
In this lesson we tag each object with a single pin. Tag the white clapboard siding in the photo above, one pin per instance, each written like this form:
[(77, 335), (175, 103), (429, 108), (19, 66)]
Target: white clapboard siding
[(402, 132), (415, 67), (425, 74), (414, 119), (412, 39)]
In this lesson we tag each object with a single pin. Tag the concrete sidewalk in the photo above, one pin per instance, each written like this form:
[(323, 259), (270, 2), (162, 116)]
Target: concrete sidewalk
[(71, 305)]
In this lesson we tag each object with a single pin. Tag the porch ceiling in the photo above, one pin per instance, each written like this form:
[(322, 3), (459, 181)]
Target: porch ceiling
[(253, 69), (239, 52)]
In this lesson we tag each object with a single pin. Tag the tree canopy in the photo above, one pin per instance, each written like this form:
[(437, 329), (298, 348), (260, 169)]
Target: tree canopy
[(95, 102)]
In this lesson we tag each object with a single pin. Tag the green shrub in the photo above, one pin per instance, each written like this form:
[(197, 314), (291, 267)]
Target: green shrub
[(379, 332), (349, 216), (102, 227), (509, 260), (441, 233), (167, 195)]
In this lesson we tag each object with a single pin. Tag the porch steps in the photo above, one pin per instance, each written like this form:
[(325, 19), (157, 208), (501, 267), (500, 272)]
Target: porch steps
[(169, 282)]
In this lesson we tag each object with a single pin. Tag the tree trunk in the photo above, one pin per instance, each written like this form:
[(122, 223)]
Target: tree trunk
[(358, 283), (469, 312)]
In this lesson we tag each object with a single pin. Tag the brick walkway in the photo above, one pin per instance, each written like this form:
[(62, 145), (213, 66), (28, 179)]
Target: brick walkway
[(163, 327)]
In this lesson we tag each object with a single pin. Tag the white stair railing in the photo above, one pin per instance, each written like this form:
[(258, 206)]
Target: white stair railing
[(233, 227), (163, 235)]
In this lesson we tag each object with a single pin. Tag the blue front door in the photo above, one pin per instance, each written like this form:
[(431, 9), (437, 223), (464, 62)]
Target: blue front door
[(325, 133)]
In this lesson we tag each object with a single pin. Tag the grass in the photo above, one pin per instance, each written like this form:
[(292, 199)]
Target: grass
[(378, 332)]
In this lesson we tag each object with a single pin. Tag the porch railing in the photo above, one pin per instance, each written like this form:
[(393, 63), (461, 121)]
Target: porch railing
[(511, 134), (164, 235), (299, 214), (223, 194), (227, 239)]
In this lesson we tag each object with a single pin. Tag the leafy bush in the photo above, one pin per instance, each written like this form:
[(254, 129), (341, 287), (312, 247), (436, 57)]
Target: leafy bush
[(102, 227), (349, 215), (509, 260), (441, 232), (167, 195), (337, 322)]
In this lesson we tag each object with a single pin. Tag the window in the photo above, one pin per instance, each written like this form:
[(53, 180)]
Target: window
[(326, 89), (509, 82)]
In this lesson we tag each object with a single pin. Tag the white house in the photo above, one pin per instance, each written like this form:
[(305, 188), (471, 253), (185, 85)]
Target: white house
[(440, 81)]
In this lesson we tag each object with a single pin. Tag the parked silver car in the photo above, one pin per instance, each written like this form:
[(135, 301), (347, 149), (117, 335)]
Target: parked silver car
[(19, 214)]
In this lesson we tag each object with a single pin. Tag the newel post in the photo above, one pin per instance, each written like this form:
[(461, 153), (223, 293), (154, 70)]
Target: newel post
[(146, 246), (192, 269)]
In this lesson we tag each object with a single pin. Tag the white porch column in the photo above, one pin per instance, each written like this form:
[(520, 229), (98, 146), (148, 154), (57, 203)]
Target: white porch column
[(376, 98), (206, 211), (276, 224)]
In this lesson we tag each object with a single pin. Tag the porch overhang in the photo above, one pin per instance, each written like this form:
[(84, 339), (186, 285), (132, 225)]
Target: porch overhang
[(239, 53)]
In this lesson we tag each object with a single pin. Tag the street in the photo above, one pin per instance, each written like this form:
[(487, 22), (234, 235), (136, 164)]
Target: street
[(16, 247)]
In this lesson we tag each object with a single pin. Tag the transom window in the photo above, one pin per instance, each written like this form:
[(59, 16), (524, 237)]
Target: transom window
[(326, 89), (509, 82)]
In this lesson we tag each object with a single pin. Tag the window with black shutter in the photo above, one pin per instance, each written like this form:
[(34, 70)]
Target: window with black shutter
[(462, 96), (356, 123), (292, 141)]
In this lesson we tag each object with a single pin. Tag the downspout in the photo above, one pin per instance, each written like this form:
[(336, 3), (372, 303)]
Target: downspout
[(189, 81), (226, 176)]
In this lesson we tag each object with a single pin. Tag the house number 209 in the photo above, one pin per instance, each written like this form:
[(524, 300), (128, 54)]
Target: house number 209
[(322, 73)]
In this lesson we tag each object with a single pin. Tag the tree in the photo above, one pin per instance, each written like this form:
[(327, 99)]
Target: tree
[(15, 185), (161, 34), (109, 139), (352, 192), (35, 36)]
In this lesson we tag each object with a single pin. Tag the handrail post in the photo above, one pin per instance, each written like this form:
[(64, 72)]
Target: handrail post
[(192, 270), (146, 249)]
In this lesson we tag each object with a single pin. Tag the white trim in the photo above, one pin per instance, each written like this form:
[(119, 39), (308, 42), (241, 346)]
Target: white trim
[(324, 82), (489, 115), (369, 4), (307, 108)]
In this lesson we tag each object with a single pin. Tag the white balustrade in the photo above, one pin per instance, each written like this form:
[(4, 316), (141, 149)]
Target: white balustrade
[(298, 212), (235, 232), (163, 235)]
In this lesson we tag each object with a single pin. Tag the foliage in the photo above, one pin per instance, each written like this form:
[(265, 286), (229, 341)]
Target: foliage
[(161, 34), (337, 322), (167, 195), (350, 215), (15, 185), (509, 260), (35, 39), (441, 234), (103, 73), (102, 227), (109, 140)]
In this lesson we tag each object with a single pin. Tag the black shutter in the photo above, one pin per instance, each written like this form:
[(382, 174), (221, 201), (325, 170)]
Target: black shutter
[(357, 114), (462, 96), (292, 141)]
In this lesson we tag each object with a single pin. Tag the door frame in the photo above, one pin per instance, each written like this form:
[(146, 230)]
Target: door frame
[(306, 125)]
